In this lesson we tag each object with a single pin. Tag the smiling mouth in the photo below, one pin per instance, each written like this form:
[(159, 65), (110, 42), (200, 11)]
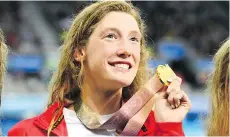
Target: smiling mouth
[(121, 65)]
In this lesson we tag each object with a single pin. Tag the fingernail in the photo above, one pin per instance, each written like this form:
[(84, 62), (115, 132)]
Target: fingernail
[(171, 79)]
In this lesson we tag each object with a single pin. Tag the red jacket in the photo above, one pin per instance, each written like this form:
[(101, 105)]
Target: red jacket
[(38, 126)]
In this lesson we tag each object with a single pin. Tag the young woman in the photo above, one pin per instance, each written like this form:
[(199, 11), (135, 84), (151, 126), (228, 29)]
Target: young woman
[(3, 54), (219, 85), (103, 64)]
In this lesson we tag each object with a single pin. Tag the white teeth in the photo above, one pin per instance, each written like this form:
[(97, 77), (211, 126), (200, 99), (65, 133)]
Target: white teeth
[(124, 66)]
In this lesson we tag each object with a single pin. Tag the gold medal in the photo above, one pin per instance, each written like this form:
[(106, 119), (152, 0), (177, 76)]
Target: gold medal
[(165, 74)]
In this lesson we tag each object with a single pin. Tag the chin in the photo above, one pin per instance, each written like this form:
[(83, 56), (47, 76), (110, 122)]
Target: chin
[(125, 82), (119, 83)]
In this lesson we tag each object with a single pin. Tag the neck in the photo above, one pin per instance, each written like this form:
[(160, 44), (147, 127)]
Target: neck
[(99, 100)]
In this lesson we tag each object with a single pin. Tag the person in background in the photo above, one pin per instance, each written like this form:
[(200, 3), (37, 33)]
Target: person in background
[(219, 86), (3, 54), (103, 63)]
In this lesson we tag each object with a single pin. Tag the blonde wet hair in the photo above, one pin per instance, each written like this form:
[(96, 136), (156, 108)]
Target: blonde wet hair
[(219, 86), (3, 55), (70, 73)]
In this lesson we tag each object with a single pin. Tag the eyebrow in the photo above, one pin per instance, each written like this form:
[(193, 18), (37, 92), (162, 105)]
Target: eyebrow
[(110, 29), (117, 31), (136, 33)]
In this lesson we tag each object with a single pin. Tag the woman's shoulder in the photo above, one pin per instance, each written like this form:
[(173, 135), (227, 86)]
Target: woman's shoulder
[(22, 127), (33, 126)]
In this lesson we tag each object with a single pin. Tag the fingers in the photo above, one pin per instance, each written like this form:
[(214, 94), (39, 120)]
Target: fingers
[(174, 98), (174, 95), (175, 84), (174, 92)]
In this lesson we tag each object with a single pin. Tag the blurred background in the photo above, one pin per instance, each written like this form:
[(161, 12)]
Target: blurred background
[(183, 34)]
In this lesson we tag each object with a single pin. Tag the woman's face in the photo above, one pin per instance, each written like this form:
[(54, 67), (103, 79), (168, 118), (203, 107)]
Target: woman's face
[(113, 51)]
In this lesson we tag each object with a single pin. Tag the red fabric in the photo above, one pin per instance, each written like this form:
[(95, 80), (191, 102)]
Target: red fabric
[(38, 126)]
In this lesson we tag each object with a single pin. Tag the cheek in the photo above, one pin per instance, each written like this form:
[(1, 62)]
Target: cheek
[(97, 54), (137, 55)]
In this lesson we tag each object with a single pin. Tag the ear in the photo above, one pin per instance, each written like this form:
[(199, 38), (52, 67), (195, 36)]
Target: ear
[(79, 54)]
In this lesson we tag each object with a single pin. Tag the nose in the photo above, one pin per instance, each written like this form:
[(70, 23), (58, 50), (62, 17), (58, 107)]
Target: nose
[(123, 53)]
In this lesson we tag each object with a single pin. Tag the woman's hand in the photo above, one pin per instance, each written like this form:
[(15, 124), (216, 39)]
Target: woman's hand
[(171, 104)]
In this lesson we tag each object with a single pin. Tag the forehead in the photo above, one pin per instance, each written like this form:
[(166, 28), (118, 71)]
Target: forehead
[(120, 20)]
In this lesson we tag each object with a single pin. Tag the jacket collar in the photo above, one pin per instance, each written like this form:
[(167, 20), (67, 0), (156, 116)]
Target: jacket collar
[(43, 121)]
